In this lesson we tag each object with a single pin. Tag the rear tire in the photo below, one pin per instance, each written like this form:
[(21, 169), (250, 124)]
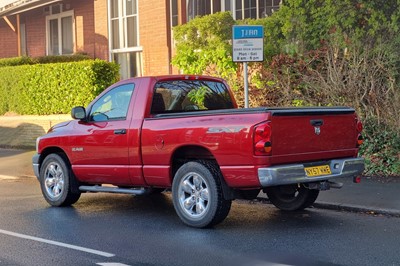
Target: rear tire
[(197, 194), (292, 197), (57, 181)]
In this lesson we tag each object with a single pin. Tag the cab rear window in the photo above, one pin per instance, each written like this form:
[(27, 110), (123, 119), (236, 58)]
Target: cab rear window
[(190, 95)]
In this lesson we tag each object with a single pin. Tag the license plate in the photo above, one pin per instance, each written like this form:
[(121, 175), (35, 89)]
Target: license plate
[(318, 170)]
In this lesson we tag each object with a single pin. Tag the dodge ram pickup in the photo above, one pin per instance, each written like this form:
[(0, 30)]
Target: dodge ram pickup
[(186, 134)]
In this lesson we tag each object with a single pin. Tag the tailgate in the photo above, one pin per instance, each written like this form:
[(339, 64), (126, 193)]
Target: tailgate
[(313, 130)]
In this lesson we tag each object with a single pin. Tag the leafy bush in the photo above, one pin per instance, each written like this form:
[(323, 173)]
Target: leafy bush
[(25, 60), (364, 78), (16, 61), (381, 148), (307, 24), (53, 88), (61, 58), (202, 45)]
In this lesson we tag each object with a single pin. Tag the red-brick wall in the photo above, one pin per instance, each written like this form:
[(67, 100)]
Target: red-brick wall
[(35, 23), (8, 39), (91, 33), (91, 26), (101, 29), (153, 29), (90, 30), (84, 26)]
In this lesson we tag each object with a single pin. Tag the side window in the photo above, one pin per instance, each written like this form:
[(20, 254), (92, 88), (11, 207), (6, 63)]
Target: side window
[(113, 105)]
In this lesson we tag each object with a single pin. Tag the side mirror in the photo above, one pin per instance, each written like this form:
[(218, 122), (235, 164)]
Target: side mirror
[(78, 112)]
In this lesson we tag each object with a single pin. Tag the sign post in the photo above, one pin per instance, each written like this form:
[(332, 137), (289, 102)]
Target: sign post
[(248, 46)]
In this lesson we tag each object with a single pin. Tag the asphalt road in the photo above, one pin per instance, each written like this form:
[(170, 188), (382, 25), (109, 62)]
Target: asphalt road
[(117, 230)]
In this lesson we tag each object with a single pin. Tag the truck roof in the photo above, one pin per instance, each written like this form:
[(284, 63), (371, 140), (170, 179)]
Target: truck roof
[(174, 77)]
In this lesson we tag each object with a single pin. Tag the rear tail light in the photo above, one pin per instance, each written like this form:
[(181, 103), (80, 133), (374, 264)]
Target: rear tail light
[(262, 139), (360, 139)]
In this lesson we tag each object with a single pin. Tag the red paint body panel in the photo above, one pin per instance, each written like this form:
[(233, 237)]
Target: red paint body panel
[(158, 175), (232, 146), (143, 155), (241, 176), (295, 134)]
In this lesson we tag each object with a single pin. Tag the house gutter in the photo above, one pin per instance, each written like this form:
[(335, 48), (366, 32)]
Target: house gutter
[(21, 6)]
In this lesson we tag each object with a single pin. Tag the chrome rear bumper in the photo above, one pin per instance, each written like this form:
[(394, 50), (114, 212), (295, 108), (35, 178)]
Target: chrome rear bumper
[(295, 173)]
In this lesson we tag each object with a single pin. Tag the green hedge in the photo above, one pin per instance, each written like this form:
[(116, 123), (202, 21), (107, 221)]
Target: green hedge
[(16, 61), (61, 58), (26, 60), (43, 89)]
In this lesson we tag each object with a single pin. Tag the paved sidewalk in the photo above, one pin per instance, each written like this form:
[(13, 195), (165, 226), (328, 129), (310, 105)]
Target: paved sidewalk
[(371, 195)]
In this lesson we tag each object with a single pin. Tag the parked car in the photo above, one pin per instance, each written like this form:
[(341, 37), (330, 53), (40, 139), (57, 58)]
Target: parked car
[(185, 133)]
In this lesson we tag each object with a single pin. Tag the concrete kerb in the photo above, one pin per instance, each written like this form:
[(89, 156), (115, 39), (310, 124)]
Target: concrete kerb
[(356, 208), (346, 207)]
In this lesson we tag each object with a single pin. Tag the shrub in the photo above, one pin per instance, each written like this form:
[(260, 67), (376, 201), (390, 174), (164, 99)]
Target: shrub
[(26, 60), (381, 148), (53, 88), (202, 45), (16, 61), (307, 24), (61, 58)]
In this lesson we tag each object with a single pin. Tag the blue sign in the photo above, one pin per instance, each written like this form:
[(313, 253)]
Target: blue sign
[(248, 32), (248, 43)]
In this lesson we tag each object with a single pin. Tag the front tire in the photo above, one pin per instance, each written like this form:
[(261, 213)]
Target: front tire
[(292, 197), (197, 194), (57, 182)]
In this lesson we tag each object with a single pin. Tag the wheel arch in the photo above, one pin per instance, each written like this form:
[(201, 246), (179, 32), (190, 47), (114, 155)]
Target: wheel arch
[(50, 150), (189, 153)]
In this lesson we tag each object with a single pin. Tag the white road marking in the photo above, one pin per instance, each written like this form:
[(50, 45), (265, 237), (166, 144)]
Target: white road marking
[(56, 243), (8, 177), (111, 264)]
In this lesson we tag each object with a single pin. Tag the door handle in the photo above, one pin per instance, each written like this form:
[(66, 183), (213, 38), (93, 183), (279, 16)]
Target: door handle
[(317, 122), (120, 131)]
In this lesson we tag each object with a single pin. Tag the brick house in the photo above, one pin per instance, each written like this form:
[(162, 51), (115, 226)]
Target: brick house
[(135, 33)]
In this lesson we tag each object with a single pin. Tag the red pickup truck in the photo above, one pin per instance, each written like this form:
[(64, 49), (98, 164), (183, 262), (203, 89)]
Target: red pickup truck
[(185, 133)]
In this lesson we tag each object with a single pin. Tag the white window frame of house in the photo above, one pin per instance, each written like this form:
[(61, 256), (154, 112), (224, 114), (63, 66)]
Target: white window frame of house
[(59, 17), (232, 7), (212, 11), (174, 14), (274, 3), (22, 35), (124, 48)]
